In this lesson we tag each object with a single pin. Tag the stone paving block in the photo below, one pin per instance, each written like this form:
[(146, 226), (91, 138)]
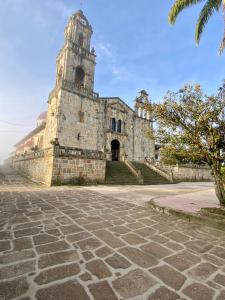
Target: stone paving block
[(14, 288), (103, 251), (22, 243), (169, 276), (89, 244), (5, 235), (133, 239), (5, 245), (98, 225), (18, 220), (78, 236), (69, 290), (44, 239), (87, 255), (27, 232), (102, 291), (109, 238), (54, 232), (135, 283), (202, 271), (174, 246), (52, 247), (220, 278), (16, 256), (48, 260), (164, 293), (159, 239), (16, 270), (139, 257), (118, 262), (145, 231), (199, 246), (177, 236), (57, 273), (85, 277), (147, 221), (183, 260), (69, 229), (135, 225), (119, 229), (218, 251), (156, 250), (198, 291), (98, 268), (26, 225), (214, 259)]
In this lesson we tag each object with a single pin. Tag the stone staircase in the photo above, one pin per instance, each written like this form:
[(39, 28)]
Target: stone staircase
[(118, 173), (150, 176)]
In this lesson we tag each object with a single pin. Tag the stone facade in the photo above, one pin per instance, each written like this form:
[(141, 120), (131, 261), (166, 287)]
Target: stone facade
[(77, 118)]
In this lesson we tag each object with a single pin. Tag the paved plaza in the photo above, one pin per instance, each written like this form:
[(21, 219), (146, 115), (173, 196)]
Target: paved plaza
[(83, 243)]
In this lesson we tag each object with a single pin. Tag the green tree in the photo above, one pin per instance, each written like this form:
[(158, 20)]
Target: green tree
[(207, 11), (192, 126)]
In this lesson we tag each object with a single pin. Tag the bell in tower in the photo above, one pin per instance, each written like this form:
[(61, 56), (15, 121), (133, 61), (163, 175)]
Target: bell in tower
[(75, 62)]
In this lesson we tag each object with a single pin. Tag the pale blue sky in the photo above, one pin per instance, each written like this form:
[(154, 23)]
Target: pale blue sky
[(136, 49)]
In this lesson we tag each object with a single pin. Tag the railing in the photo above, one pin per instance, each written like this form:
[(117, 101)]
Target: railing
[(166, 174), (68, 85), (31, 155), (135, 171), (76, 152)]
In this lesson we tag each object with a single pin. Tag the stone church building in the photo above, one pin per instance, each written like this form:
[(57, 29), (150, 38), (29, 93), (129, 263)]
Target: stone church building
[(81, 130)]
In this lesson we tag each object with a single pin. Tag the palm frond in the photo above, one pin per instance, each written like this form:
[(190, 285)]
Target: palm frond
[(178, 6), (208, 9)]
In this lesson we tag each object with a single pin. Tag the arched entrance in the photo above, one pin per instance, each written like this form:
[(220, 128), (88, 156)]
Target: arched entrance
[(115, 149)]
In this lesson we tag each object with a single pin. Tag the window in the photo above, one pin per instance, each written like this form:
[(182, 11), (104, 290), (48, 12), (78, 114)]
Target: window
[(119, 126), (113, 124), (139, 112), (79, 77), (81, 40)]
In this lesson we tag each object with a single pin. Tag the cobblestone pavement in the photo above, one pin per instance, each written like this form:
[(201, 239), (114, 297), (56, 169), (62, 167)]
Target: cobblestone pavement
[(71, 243)]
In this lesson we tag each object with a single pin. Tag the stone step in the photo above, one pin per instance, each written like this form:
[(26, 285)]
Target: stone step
[(149, 176), (118, 173)]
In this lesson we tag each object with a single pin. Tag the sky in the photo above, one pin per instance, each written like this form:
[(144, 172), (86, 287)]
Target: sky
[(136, 49)]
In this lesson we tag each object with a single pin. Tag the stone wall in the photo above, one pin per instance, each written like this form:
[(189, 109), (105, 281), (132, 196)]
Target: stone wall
[(37, 165), (187, 172), (72, 165), (62, 165)]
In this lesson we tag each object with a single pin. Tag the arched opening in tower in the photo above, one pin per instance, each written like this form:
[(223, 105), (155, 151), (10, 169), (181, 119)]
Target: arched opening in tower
[(115, 150), (79, 77), (81, 40)]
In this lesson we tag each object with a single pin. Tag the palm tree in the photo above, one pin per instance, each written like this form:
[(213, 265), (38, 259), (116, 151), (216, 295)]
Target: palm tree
[(208, 9)]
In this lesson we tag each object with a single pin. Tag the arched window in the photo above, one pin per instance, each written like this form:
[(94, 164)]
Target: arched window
[(79, 77), (113, 124), (119, 126), (81, 40), (139, 112), (144, 113)]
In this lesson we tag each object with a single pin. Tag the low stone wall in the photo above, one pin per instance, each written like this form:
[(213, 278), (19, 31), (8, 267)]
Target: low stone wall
[(37, 165), (62, 165), (187, 172), (78, 170), (77, 166)]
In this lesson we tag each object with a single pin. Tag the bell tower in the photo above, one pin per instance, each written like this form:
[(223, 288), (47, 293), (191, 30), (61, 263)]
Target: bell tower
[(76, 62), (141, 103)]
